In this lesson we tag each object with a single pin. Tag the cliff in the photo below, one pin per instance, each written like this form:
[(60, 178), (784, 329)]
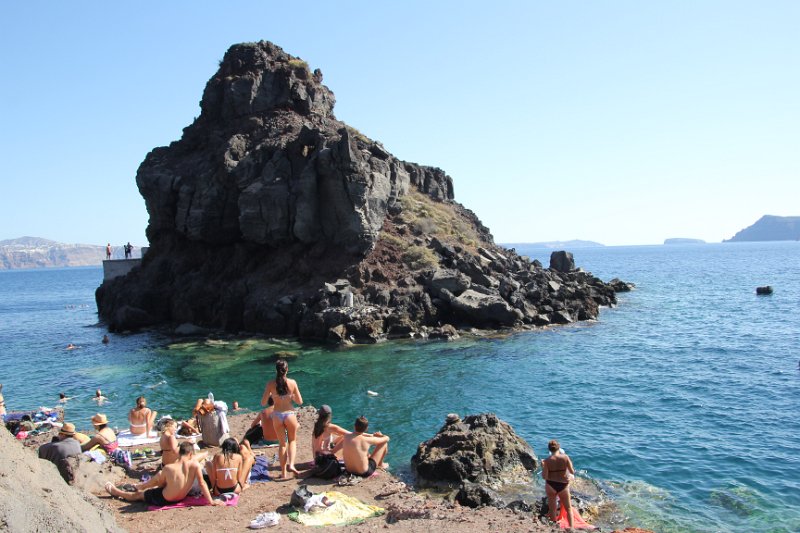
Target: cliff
[(770, 228), (34, 252), (270, 215)]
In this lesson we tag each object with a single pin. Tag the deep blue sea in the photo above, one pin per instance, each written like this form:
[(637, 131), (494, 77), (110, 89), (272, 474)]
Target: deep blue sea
[(683, 401)]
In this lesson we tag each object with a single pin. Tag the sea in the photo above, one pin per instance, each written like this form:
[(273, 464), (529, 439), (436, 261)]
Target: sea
[(682, 403)]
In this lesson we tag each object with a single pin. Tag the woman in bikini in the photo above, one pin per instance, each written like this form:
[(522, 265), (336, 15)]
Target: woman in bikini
[(142, 418), (105, 437), (325, 434), (285, 393), (227, 471), (557, 470), (169, 443)]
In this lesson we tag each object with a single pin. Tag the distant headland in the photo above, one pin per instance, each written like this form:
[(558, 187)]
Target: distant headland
[(770, 228), (270, 215), (35, 252)]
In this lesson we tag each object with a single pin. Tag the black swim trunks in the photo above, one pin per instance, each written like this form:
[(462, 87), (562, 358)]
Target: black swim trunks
[(155, 497), (370, 469)]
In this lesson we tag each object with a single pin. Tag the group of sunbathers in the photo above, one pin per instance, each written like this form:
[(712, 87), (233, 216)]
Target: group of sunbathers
[(329, 440), (228, 471)]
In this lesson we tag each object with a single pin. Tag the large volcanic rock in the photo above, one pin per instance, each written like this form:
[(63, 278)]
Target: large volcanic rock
[(269, 215), (479, 449), (475, 455)]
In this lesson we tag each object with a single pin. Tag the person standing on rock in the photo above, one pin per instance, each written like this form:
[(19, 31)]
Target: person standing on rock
[(557, 471), (285, 393), (128, 249), (108, 251)]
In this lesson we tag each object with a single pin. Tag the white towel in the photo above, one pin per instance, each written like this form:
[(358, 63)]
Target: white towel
[(126, 438)]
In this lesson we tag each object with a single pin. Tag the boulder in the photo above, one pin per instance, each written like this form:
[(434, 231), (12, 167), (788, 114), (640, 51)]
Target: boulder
[(621, 286), (485, 309), (474, 495), (451, 280), (480, 449), (562, 261)]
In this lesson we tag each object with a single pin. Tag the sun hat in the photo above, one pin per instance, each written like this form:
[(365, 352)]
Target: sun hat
[(67, 429), (99, 419), (325, 409)]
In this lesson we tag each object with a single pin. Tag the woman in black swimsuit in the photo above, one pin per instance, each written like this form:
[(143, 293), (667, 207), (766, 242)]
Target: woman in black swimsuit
[(557, 470)]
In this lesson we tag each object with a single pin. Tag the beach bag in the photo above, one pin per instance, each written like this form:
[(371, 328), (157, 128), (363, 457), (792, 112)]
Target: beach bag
[(327, 467), (300, 496)]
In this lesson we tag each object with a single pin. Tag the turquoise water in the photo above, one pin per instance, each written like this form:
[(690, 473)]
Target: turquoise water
[(682, 402)]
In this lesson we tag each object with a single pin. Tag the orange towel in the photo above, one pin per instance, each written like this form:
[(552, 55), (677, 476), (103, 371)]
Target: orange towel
[(578, 522)]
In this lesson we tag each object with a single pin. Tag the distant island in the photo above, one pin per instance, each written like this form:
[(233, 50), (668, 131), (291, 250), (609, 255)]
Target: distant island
[(35, 252), (556, 245), (770, 228), (682, 240)]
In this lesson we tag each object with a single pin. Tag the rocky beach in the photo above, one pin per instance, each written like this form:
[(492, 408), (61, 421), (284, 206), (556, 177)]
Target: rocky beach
[(460, 504)]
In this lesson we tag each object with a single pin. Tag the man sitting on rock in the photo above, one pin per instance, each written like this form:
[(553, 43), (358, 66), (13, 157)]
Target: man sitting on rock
[(172, 484), (63, 446), (357, 459)]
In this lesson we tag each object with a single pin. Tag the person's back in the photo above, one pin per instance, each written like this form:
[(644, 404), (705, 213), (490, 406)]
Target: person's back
[(62, 447), (355, 448), (558, 466), (178, 479)]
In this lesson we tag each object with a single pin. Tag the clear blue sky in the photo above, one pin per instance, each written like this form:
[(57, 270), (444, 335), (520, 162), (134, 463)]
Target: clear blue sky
[(619, 122)]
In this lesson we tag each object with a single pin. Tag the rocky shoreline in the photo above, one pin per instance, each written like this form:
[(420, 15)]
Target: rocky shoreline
[(495, 456), (271, 216)]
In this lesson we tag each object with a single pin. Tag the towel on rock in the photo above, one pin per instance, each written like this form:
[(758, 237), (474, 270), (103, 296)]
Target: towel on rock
[(345, 510)]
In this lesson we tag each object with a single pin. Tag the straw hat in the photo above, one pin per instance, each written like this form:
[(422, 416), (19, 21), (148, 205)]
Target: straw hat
[(99, 419), (67, 429)]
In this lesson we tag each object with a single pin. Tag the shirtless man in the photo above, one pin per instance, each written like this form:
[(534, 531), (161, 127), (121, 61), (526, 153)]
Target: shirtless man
[(2, 403), (172, 484), (357, 459), (168, 443)]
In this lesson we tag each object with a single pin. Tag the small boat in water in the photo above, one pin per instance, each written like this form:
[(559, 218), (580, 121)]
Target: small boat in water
[(766, 289)]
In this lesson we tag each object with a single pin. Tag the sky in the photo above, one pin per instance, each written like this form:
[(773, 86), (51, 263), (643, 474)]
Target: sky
[(621, 122)]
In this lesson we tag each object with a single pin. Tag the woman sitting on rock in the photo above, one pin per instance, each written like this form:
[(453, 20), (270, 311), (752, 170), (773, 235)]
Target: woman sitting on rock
[(285, 393), (228, 470), (325, 434), (142, 418), (557, 471), (169, 443), (105, 437), (324, 437)]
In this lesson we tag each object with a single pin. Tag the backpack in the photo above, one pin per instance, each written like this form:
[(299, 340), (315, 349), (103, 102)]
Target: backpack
[(327, 467), (300, 496)]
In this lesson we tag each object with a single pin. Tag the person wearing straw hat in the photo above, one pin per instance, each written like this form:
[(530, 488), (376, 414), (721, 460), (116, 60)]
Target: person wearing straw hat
[(105, 437), (63, 446)]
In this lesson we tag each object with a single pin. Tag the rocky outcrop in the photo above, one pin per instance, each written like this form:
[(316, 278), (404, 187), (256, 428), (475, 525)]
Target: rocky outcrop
[(474, 455), (270, 215), (34, 497)]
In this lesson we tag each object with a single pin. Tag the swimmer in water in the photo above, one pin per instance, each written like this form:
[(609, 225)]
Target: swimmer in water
[(105, 339), (63, 398), (236, 406), (71, 346), (99, 398)]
